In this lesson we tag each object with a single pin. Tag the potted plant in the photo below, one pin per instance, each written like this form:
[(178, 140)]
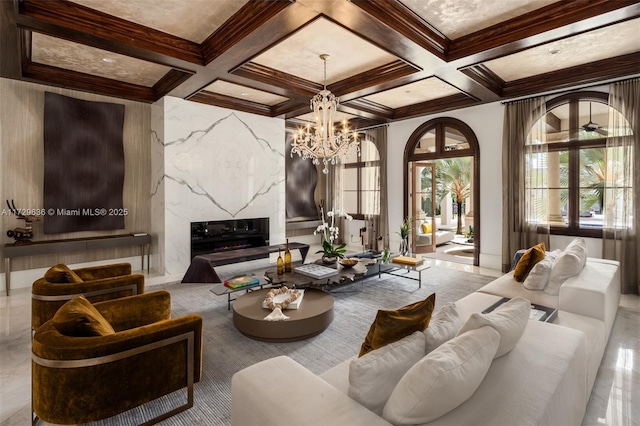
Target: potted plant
[(330, 233)]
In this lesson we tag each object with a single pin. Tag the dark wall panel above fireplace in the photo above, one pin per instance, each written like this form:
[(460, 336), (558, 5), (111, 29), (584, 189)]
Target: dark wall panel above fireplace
[(83, 165)]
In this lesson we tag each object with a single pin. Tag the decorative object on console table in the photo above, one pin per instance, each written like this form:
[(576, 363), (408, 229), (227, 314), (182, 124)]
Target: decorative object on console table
[(287, 258), (21, 235)]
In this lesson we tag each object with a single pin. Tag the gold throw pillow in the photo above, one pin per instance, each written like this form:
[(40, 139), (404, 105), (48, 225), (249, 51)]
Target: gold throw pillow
[(530, 257), (62, 274), (79, 318), (390, 326)]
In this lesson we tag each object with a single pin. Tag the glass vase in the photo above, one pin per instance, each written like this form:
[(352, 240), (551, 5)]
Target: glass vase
[(404, 247)]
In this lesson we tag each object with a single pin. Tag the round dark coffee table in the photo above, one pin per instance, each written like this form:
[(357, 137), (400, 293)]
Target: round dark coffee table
[(313, 317)]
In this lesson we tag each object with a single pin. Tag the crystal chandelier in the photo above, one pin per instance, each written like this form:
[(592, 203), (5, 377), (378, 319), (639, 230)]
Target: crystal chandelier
[(324, 142)]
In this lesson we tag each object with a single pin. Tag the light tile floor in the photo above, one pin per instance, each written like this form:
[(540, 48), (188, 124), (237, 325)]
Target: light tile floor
[(615, 399)]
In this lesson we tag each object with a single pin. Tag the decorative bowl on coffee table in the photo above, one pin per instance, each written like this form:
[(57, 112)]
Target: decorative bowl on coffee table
[(348, 263)]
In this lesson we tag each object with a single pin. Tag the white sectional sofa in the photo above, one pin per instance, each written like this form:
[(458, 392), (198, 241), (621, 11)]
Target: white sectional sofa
[(545, 380)]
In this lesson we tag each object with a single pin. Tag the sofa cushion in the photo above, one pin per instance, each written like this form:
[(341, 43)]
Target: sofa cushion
[(61, 273), (78, 317), (444, 326), (390, 326), (508, 319), (443, 379), (539, 275), (373, 377), (530, 257), (569, 263), (426, 227), (537, 383)]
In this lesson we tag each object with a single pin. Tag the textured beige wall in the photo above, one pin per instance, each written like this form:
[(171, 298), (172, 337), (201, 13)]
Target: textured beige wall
[(22, 168)]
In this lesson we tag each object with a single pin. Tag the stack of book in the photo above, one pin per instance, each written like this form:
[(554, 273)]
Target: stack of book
[(241, 281), (406, 260)]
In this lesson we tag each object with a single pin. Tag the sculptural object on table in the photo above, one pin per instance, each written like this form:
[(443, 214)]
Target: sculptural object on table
[(25, 234)]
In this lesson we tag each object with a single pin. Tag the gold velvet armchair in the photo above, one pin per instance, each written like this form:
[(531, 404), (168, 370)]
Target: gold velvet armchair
[(147, 355), (96, 283)]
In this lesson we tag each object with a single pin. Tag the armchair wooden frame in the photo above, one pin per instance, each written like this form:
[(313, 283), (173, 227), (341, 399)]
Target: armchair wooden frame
[(90, 362), (47, 298)]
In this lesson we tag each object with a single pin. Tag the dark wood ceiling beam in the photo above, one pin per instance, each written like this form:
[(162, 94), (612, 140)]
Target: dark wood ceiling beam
[(401, 19), (520, 31), (368, 109), (291, 108), (10, 66), (620, 66), (222, 101), (436, 105), (170, 81), (291, 83), (89, 83), (380, 75), (66, 15), (485, 77), (249, 18)]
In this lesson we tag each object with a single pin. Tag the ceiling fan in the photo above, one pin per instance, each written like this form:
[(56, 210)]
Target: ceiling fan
[(593, 127)]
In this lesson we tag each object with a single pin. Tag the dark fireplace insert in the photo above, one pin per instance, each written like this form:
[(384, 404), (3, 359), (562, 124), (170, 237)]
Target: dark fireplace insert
[(224, 235)]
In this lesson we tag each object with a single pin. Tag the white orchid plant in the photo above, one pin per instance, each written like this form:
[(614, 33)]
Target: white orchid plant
[(330, 233)]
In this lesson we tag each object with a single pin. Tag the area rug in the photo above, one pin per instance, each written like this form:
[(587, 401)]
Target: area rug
[(227, 351)]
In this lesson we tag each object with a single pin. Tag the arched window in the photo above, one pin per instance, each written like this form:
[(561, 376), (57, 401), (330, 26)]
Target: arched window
[(361, 181), (569, 167)]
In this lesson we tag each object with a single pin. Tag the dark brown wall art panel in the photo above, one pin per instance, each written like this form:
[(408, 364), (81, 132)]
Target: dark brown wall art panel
[(83, 165), (301, 181)]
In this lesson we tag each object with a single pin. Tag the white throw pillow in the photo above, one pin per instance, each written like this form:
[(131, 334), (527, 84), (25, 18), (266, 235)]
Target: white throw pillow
[(509, 319), (443, 379), (373, 376), (539, 275), (569, 263), (444, 326)]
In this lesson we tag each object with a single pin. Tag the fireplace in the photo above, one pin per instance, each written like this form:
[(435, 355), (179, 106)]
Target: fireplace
[(224, 235)]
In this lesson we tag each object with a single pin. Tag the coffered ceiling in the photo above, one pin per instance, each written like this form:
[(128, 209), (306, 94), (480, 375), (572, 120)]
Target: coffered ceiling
[(389, 59)]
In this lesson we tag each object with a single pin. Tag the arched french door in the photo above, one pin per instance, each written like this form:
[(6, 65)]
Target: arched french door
[(442, 149)]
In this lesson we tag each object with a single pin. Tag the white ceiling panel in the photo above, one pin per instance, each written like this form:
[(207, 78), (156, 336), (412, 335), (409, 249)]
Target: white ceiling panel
[(243, 92), (457, 18), (86, 59), (193, 20), (420, 91), (615, 40), (300, 54)]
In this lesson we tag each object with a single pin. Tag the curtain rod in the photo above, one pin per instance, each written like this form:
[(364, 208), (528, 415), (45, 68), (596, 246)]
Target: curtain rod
[(373, 127), (573, 89)]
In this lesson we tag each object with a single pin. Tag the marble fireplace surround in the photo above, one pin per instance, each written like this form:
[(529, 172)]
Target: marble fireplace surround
[(210, 163)]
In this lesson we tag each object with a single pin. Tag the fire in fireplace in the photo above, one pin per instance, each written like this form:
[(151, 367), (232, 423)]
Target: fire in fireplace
[(223, 235)]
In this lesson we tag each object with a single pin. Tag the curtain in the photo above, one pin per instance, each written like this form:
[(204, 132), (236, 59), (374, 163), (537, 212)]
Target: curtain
[(377, 224), (622, 183), (525, 198)]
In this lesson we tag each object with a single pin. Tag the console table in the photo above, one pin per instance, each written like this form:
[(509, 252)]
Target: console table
[(201, 268), (75, 244)]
